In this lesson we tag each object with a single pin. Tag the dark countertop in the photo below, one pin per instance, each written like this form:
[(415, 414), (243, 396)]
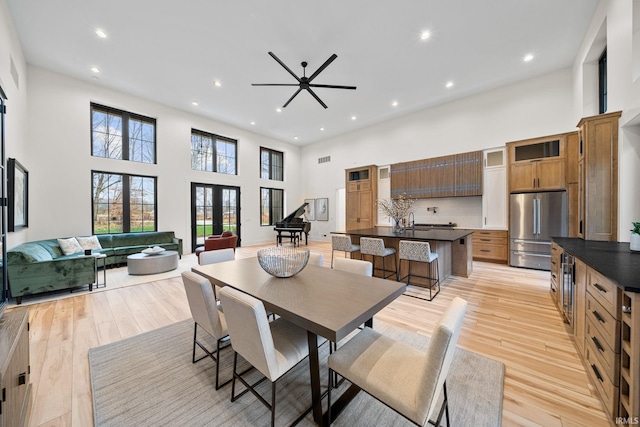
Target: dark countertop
[(433, 234), (612, 259)]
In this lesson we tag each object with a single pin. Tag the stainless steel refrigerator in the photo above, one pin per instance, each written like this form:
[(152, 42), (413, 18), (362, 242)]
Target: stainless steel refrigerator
[(534, 218)]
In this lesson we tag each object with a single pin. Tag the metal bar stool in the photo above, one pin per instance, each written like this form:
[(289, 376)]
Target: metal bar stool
[(342, 242), (375, 247), (421, 252)]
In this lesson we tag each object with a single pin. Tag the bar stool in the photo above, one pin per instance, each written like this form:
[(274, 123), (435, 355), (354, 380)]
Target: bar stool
[(342, 242), (375, 247), (420, 252)]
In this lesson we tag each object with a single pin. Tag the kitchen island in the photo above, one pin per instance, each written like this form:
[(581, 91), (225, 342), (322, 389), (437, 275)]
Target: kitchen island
[(454, 248)]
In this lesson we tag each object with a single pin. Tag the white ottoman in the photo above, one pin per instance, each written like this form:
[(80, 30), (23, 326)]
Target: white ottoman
[(139, 264)]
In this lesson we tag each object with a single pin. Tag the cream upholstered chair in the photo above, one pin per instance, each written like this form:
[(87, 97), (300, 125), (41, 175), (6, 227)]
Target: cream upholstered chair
[(220, 255), (412, 387), (316, 258), (353, 266), (410, 250), (375, 247), (341, 242), (206, 314), (273, 348)]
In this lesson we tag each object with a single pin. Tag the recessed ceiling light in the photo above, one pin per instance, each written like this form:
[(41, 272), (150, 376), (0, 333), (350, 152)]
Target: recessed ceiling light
[(295, 137), (321, 129), (394, 104), (528, 57), (353, 117), (278, 110), (425, 35), (194, 103), (217, 83), (95, 69), (253, 123), (101, 34), (449, 84)]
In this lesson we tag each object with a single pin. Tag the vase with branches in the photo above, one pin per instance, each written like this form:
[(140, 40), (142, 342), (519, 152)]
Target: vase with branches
[(396, 209)]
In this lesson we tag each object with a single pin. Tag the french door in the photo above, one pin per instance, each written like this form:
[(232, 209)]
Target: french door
[(214, 209)]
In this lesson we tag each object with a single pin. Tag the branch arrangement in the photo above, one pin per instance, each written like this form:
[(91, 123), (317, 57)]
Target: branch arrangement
[(396, 208)]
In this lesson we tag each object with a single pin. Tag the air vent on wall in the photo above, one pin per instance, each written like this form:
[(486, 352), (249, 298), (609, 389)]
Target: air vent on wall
[(324, 159), (14, 73)]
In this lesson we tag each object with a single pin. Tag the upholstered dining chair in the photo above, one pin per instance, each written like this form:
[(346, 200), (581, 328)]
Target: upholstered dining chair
[(206, 314), (273, 348), (341, 242), (353, 266), (316, 258), (220, 255), (411, 388)]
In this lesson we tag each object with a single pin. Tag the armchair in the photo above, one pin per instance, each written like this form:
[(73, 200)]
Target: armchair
[(222, 241)]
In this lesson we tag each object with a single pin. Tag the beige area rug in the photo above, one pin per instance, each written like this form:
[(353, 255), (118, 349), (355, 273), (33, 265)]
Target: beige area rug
[(149, 380), (116, 278)]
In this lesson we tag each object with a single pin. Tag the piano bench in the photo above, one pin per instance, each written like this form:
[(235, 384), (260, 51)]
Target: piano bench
[(293, 236)]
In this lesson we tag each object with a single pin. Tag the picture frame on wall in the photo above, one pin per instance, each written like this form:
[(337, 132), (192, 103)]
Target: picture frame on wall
[(18, 195), (322, 209), (310, 209)]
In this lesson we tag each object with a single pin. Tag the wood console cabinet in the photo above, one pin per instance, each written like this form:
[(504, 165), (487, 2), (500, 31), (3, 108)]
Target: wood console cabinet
[(361, 195), (15, 387), (597, 217), (537, 164)]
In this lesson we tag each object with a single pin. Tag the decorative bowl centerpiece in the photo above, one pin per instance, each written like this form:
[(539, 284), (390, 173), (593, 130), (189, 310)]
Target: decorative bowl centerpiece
[(153, 251), (281, 261)]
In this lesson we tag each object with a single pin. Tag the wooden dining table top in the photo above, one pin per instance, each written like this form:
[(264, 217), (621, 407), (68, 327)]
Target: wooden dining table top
[(330, 303)]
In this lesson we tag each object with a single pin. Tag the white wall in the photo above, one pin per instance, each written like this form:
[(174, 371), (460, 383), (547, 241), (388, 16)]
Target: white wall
[(16, 117), (536, 107), (60, 163), (616, 18)]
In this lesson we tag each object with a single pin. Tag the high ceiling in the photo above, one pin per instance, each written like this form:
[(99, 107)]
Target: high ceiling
[(172, 53)]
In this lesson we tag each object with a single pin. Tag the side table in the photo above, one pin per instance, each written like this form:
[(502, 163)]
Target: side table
[(102, 257)]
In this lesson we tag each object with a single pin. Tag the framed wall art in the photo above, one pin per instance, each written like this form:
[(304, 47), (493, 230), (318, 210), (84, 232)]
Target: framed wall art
[(310, 209), (18, 195), (322, 209)]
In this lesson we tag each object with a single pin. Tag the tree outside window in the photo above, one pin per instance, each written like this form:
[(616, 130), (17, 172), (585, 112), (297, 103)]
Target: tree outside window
[(213, 153), (271, 205), (271, 164)]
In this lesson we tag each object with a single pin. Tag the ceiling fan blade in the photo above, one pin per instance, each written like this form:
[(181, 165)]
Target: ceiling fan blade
[(333, 86), (275, 84), (316, 97), (323, 66), (291, 99), (284, 66)]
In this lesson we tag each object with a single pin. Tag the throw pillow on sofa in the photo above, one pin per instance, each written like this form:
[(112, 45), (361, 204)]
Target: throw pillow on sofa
[(70, 246), (90, 242)]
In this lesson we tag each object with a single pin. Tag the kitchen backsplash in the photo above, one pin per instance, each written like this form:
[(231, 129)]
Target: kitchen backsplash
[(464, 211)]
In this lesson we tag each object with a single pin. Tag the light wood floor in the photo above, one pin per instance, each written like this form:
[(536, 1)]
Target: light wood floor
[(510, 318)]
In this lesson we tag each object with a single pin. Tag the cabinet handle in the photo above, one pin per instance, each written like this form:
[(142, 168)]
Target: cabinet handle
[(600, 288), (598, 316), (485, 240), (485, 250), (553, 289), (626, 309), (597, 343), (595, 371), (534, 183), (22, 378), (538, 182)]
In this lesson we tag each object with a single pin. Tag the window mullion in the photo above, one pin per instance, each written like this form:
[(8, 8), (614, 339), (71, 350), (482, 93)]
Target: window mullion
[(126, 200), (125, 136)]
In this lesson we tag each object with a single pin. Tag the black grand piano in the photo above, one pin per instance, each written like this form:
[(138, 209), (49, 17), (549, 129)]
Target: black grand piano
[(292, 226)]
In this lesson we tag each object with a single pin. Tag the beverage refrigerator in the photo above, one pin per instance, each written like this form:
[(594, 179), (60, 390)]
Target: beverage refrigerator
[(534, 218)]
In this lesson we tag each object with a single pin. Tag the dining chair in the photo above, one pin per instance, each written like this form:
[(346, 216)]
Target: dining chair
[(415, 251), (219, 255), (206, 314), (273, 348), (342, 242), (411, 388), (353, 266), (316, 258), (375, 247)]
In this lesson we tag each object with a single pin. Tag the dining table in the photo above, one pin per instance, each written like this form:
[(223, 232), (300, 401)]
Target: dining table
[(325, 302)]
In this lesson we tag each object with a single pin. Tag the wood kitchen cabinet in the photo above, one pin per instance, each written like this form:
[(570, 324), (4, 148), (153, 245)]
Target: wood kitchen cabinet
[(579, 304), (572, 174), (494, 193), (598, 178), (15, 399), (537, 164), (361, 194), (491, 245)]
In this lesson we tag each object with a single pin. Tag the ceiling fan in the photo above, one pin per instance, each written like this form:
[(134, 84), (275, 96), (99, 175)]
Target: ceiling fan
[(304, 82)]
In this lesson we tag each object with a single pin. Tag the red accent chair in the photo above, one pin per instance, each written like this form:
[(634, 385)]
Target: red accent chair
[(225, 240)]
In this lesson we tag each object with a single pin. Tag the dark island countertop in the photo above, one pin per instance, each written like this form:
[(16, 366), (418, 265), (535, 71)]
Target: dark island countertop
[(612, 259), (443, 235)]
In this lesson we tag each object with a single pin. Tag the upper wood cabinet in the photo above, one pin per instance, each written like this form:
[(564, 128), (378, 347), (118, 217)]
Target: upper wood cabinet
[(573, 173), (446, 176), (598, 190), (362, 191), (537, 164), (494, 195)]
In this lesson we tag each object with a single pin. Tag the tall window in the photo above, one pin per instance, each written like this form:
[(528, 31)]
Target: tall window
[(117, 134), (123, 203), (602, 80), (271, 205), (271, 164), (213, 153)]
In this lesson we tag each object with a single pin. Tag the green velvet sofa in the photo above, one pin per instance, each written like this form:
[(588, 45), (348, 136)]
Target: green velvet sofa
[(41, 266)]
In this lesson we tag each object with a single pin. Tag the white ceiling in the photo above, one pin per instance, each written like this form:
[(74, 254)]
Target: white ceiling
[(171, 52)]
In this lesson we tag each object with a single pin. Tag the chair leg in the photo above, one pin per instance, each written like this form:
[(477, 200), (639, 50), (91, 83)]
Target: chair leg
[(195, 333), (332, 251), (273, 404), (329, 396), (233, 374)]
